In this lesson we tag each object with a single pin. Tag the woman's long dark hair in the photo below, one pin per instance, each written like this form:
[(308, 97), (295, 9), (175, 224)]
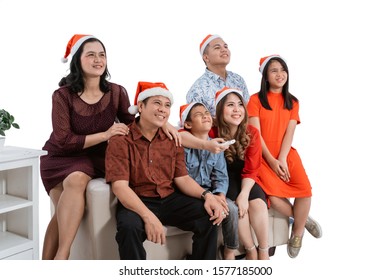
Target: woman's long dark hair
[(236, 150), (75, 79), (264, 88)]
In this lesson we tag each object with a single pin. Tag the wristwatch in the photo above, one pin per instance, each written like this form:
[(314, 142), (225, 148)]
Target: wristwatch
[(203, 196)]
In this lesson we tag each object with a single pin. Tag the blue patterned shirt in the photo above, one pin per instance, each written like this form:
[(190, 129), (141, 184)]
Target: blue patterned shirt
[(205, 87), (207, 169)]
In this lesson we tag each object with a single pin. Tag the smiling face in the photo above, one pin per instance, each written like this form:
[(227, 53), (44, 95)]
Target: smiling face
[(233, 111), (93, 59), (217, 53), (276, 76), (155, 111), (199, 120)]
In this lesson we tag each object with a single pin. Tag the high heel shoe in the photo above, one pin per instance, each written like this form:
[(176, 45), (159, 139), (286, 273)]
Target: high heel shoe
[(250, 250), (263, 251)]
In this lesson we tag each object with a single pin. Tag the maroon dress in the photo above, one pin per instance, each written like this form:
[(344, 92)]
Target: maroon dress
[(72, 120)]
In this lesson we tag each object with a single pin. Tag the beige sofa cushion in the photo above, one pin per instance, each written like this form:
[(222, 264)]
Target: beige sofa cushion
[(95, 239)]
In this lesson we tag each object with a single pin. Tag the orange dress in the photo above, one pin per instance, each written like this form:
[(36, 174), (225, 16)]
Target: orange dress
[(273, 124)]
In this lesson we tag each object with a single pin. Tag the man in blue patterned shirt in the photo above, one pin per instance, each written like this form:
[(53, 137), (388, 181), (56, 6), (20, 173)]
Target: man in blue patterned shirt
[(216, 56)]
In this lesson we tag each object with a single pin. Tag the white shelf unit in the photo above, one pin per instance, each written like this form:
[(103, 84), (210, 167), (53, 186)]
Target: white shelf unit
[(19, 219)]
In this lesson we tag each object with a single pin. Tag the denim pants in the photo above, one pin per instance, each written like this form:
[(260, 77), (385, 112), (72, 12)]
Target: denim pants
[(230, 226), (177, 210)]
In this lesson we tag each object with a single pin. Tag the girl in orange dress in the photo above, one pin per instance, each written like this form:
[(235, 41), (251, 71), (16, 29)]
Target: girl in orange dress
[(275, 112)]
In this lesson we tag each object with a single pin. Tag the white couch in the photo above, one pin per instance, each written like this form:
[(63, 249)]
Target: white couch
[(95, 239)]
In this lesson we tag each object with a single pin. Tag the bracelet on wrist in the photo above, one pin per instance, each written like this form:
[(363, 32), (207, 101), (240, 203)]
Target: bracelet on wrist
[(203, 196)]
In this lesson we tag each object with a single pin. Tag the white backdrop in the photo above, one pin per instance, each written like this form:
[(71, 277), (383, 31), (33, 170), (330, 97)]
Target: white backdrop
[(338, 57)]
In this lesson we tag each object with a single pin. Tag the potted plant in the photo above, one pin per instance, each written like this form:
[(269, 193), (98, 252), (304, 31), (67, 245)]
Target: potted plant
[(7, 121)]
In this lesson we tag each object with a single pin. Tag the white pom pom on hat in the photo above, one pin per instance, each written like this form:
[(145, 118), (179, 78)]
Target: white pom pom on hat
[(148, 89), (207, 41), (264, 60), (225, 91), (74, 44)]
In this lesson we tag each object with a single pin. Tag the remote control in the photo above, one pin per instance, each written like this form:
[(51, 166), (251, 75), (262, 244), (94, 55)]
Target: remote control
[(227, 143)]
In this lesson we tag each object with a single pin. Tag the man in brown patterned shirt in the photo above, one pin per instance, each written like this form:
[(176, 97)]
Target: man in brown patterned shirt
[(148, 174)]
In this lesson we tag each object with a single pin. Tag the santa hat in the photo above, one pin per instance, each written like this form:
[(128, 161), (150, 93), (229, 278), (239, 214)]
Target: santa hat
[(225, 91), (266, 59), (185, 110), (147, 89), (74, 44), (207, 41)]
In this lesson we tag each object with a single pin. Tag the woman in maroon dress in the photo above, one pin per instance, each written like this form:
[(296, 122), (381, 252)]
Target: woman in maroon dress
[(87, 110)]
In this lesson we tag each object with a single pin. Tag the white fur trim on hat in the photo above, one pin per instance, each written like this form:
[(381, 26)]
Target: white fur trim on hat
[(186, 111), (226, 92), (265, 62), (76, 46), (206, 42), (149, 93)]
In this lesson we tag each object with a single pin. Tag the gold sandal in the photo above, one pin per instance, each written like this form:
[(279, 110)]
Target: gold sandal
[(294, 246)]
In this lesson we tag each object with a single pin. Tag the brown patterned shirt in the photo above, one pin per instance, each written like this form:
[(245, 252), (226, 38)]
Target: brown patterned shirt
[(149, 166)]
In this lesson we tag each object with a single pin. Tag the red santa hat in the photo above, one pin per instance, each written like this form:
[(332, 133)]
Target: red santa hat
[(225, 91), (266, 59), (185, 110), (74, 44), (146, 90), (207, 41)]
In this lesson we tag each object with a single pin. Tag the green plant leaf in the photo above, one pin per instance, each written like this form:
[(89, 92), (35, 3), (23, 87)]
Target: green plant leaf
[(6, 121)]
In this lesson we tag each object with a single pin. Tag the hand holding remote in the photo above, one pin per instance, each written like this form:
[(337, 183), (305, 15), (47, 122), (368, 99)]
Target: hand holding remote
[(227, 143)]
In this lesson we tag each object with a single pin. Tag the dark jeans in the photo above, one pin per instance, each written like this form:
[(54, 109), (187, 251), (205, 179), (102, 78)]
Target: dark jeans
[(230, 226), (177, 210)]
